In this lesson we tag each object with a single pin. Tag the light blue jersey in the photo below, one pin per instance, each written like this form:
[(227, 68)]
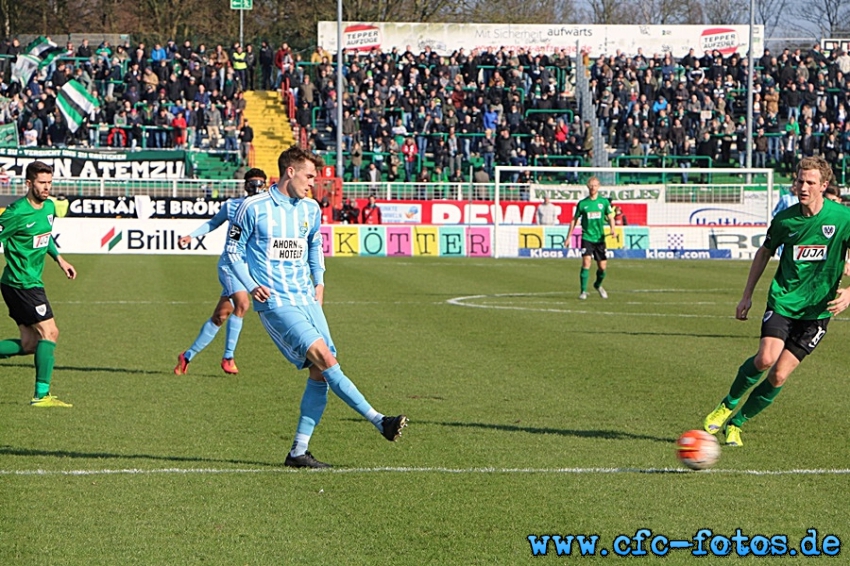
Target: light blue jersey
[(274, 241), (225, 214), (230, 284)]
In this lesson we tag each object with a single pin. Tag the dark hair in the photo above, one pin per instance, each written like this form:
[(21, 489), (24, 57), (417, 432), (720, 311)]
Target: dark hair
[(295, 156), (36, 168), (254, 173), (291, 157)]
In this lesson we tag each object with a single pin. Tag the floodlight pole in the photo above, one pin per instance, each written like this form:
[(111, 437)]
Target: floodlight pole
[(752, 70), (340, 165)]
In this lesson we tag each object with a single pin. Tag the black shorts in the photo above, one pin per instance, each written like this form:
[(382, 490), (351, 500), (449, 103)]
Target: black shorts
[(27, 306), (801, 336), (596, 250)]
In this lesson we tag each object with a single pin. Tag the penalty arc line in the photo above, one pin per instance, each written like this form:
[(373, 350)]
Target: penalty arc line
[(423, 470)]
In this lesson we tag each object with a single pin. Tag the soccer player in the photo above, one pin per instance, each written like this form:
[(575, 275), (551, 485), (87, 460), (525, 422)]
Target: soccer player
[(25, 232), (594, 212), (234, 297), (275, 248), (803, 296)]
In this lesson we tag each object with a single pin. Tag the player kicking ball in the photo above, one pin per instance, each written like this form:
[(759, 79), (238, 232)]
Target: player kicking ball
[(594, 212), (275, 248), (803, 295)]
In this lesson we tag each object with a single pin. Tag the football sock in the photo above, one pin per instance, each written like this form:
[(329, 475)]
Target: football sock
[(234, 327), (208, 332), (748, 375), (9, 348), (313, 404), (759, 400), (44, 361), (348, 392), (582, 277), (600, 275)]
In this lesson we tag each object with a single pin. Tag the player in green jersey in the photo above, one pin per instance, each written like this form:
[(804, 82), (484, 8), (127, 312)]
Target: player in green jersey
[(594, 211), (25, 232), (803, 296)]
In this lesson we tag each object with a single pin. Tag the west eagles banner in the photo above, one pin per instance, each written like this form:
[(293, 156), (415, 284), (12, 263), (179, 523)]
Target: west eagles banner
[(105, 165)]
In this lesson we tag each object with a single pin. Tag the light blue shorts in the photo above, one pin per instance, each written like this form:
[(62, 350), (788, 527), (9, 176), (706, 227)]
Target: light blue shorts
[(230, 284), (295, 329)]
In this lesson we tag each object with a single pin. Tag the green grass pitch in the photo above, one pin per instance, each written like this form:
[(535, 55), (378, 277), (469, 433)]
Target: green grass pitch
[(531, 413)]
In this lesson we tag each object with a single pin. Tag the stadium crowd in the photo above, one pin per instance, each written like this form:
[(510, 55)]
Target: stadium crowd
[(423, 117)]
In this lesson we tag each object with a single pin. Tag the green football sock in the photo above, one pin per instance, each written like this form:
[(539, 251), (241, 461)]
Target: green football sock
[(748, 375), (43, 367), (600, 275), (9, 348), (582, 277), (759, 400)]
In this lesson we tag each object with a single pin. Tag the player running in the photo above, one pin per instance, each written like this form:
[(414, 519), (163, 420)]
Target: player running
[(25, 232), (234, 297), (594, 211), (803, 295), (275, 248)]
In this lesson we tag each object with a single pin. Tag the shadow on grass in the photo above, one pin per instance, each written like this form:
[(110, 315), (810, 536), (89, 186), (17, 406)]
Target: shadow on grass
[(28, 452), (92, 369), (129, 371), (576, 433)]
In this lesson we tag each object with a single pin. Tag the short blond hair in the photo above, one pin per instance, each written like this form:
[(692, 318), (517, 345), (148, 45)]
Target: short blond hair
[(817, 163)]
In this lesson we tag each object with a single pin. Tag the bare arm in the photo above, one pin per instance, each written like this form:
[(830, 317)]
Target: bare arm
[(757, 268)]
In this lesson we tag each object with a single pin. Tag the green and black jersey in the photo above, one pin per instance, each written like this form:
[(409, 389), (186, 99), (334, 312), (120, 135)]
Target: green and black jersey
[(25, 232), (812, 261), (594, 215)]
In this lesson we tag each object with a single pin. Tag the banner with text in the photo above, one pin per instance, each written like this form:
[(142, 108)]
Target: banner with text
[(542, 38), (139, 206), (78, 164), (153, 236)]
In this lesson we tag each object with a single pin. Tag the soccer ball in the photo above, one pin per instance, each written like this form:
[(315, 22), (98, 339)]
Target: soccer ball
[(697, 449)]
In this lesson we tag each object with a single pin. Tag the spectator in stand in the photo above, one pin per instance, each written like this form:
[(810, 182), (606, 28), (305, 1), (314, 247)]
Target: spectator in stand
[(179, 126), (266, 59), (371, 213), (246, 139), (213, 126), (283, 64), (410, 152), (231, 138), (240, 67)]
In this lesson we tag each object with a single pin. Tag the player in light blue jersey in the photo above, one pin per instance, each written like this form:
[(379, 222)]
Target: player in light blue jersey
[(234, 297), (275, 249)]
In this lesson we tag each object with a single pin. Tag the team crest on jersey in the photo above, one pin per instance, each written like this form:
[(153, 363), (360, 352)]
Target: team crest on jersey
[(767, 316), (828, 230), (303, 229), (41, 310), (50, 219)]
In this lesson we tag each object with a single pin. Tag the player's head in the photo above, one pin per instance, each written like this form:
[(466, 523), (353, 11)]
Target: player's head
[(833, 193), (39, 179), (255, 181), (814, 175), (593, 186), (297, 171)]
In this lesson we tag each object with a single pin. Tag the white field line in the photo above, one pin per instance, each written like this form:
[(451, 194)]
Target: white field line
[(465, 302), (477, 302), (425, 470)]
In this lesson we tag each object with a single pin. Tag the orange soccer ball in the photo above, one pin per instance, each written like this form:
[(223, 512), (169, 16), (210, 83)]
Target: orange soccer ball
[(697, 449)]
